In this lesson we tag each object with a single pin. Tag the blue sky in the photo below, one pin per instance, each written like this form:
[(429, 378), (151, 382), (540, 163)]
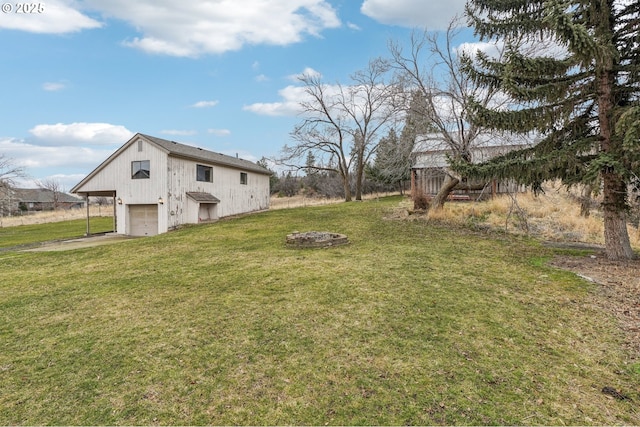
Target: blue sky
[(80, 77)]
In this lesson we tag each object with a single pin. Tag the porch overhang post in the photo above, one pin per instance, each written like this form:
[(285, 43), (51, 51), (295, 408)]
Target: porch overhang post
[(115, 224), (86, 198), (413, 184)]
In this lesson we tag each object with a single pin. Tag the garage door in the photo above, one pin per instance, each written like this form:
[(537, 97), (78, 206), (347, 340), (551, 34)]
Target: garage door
[(143, 220)]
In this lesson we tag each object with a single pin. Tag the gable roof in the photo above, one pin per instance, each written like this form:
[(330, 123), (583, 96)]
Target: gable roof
[(431, 150), (176, 149), (196, 153)]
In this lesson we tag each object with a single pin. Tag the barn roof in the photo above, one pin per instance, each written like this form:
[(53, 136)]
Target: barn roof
[(196, 153), (431, 150)]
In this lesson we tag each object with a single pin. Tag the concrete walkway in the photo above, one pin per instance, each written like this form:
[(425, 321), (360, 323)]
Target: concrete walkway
[(83, 242)]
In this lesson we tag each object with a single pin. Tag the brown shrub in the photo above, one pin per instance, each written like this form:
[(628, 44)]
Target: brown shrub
[(421, 202)]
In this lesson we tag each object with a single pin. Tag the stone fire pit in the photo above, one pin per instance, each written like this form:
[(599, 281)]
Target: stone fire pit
[(315, 239)]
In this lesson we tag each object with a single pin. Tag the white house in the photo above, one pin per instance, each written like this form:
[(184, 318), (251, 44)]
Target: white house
[(158, 185)]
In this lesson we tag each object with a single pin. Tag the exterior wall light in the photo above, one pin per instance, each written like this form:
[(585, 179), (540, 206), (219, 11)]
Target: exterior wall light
[(160, 201), (119, 201)]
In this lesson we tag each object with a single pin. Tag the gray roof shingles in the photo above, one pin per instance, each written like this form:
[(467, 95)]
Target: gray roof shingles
[(203, 197), (42, 195), (195, 153)]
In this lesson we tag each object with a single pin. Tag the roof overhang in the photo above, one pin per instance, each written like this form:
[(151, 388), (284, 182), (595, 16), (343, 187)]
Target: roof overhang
[(103, 193), (202, 197)]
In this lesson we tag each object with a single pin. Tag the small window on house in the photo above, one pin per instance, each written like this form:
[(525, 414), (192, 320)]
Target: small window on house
[(139, 145), (140, 169), (204, 173), (243, 178)]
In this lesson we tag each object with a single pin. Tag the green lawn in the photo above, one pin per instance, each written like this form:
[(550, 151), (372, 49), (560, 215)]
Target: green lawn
[(36, 233), (222, 324)]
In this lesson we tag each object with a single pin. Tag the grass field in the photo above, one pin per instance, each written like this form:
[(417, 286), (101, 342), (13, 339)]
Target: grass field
[(222, 324)]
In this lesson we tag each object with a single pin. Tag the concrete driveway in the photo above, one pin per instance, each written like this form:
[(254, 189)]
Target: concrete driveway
[(83, 242)]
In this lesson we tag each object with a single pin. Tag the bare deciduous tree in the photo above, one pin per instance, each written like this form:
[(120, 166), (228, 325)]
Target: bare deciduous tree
[(9, 172), (432, 68), (322, 132), (372, 107), (342, 125), (56, 189)]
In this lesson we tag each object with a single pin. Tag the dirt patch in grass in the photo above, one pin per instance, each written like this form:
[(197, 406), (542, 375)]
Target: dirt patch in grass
[(618, 291)]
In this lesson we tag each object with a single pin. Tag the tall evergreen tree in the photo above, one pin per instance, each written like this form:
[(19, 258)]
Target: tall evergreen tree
[(416, 122), (392, 164), (273, 178), (581, 94)]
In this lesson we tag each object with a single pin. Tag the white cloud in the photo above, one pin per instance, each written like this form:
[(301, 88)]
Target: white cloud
[(33, 156), (434, 15), (205, 104), (246, 155), (353, 26), (53, 86), (175, 132), (219, 132), (492, 49), (289, 106), (262, 78), (66, 181), (80, 134), (546, 48), (291, 97), (308, 72), (208, 26), (52, 17)]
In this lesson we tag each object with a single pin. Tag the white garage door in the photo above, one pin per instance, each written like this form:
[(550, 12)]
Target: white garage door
[(143, 220)]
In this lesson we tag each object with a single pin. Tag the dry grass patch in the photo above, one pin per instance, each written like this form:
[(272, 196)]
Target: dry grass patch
[(553, 215), (55, 216), (301, 200)]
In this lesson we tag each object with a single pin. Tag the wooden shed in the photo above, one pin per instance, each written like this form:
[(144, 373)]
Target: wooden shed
[(429, 165), (158, 185)]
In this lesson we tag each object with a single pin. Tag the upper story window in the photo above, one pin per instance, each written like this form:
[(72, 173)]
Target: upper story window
[(243, 178), (204, 173), (140, 169)]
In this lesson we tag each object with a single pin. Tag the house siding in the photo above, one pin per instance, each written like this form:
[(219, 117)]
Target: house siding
[(117, 175), (235, 198), (172, 176)]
